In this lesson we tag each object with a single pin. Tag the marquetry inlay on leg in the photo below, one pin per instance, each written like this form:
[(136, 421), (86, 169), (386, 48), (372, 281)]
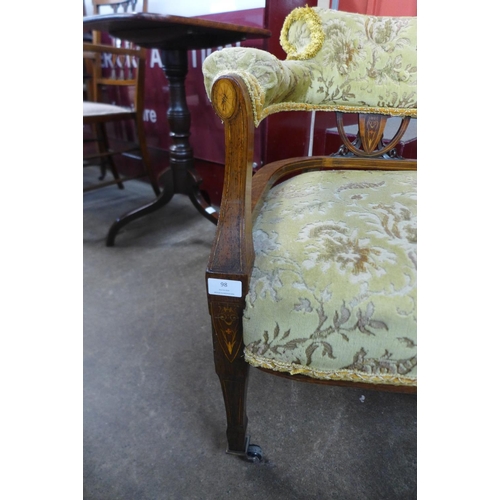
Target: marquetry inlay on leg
[(227, 327)]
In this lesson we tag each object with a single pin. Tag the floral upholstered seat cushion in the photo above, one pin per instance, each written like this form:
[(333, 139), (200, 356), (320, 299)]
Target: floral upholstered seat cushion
[(333, 292), (335, 61)]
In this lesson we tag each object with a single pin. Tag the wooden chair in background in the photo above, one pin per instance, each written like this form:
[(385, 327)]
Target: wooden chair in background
[(124, 70)]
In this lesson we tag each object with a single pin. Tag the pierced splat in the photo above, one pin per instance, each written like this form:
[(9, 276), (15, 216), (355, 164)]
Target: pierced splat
[(369, 140), (371, 131)]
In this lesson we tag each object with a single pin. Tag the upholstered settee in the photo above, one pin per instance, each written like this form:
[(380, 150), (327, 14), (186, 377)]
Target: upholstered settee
[(313, 269)]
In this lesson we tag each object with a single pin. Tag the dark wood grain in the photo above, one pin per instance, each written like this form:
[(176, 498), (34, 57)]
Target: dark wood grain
[(172, 32)]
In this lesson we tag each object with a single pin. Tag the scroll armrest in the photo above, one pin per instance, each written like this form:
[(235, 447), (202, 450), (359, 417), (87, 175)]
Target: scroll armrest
[(232, 251), (268, 80), (336, 61)]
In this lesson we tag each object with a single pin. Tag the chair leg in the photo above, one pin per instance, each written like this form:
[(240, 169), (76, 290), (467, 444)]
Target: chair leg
[(232, 370), (234, 388), (103, 145)]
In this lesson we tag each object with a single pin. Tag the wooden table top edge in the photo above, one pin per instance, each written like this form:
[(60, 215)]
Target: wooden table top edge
[(102, 23)]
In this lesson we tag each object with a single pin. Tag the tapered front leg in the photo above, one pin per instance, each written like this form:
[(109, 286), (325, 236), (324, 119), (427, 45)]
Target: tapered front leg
[(232, 370)]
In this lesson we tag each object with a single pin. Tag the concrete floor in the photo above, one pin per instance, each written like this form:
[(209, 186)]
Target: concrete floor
[(154, 422)]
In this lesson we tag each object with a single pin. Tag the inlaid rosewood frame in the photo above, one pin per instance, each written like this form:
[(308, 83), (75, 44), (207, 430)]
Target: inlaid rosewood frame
[(232, 254)]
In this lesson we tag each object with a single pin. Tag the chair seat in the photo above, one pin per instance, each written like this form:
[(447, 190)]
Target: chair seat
[(98, 108), (333, 293)]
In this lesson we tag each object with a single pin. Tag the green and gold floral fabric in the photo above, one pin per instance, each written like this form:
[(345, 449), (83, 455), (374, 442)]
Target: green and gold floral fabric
[(333, 293), (336, 61)]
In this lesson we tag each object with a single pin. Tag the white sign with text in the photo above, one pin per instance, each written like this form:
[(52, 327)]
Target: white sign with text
[(228, 288)]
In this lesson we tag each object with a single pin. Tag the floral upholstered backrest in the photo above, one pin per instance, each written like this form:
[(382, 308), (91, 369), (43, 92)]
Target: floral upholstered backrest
[(337, 61), (355, 58)]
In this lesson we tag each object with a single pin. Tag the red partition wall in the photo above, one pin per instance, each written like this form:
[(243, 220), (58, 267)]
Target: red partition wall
[(380, 7)]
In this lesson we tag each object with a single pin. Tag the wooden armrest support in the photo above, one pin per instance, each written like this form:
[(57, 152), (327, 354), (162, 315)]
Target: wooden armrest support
[(265, 178), (234, 230)]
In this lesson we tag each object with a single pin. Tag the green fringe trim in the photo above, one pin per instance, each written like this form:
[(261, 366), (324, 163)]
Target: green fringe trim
[(344, 375)]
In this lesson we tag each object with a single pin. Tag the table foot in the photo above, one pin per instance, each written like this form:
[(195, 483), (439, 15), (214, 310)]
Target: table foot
[(199, 201), (165, 196)]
